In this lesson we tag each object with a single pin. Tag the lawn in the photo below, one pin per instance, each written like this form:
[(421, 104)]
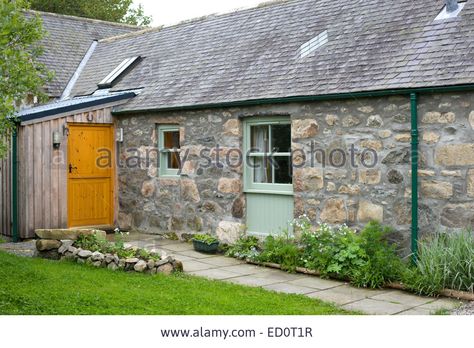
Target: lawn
[(37, 286)]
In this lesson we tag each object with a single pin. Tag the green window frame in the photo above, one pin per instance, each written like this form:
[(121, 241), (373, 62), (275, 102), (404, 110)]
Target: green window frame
[(250, 184), (169, 154)]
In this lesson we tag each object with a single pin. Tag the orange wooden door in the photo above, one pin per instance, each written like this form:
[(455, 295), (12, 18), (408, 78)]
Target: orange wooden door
[(90, 175)]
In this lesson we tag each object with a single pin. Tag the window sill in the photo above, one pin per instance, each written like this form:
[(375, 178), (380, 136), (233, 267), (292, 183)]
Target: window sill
[(270, 192)]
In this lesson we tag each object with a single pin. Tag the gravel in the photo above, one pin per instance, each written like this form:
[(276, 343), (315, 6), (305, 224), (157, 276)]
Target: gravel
[(467, 309)]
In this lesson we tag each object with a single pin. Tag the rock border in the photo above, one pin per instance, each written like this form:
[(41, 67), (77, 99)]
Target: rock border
[(54, 249)]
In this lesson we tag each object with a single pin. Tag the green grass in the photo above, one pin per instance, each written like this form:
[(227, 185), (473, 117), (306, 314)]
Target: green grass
[(442, 311), (40, 287)]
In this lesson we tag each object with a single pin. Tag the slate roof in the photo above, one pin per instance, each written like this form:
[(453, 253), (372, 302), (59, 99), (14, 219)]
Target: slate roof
[(252, 54), (67, 42)]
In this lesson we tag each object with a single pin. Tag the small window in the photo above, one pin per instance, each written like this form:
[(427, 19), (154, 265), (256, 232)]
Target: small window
[(113, 76), (312, 45), (169, 147), (270, 153)]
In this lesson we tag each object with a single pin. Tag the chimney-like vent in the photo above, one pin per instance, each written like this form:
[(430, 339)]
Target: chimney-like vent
[(451, 5), (450, 10)]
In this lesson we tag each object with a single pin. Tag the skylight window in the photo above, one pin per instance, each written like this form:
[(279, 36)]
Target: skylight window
[(445, 14), (313, 44), (109, 80)]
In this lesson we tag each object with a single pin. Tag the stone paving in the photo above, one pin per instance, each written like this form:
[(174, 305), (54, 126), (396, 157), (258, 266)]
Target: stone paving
[(376, 302)]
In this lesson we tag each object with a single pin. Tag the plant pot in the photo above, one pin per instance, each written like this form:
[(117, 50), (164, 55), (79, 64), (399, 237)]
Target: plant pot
[(204, 247)]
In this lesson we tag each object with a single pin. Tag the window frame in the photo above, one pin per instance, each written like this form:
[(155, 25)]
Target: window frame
[(249, 185), (163, 170)]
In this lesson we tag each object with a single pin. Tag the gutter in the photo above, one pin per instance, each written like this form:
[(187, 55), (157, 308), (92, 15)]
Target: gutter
[(74, 107), (14, 186), (303, 98)]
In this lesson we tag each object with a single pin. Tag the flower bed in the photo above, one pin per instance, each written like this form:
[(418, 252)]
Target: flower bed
[(366, 259), (91, 248)]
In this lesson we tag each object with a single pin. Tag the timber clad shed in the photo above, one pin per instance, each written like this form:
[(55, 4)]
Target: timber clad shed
[(43, 173), (394, 78)]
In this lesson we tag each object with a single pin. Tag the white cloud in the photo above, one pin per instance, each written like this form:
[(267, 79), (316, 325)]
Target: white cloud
[(166, 12)]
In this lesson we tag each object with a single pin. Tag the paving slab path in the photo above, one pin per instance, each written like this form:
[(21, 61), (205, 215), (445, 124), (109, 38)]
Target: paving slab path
[(375, 302)]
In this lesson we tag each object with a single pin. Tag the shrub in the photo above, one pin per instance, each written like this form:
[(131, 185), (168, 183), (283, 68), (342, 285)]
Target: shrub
[(246, 247), (446, 260), (333, 252), (281, 249), (382, 264)]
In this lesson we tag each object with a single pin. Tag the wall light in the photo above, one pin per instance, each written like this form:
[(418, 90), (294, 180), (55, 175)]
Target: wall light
[(56, 140)]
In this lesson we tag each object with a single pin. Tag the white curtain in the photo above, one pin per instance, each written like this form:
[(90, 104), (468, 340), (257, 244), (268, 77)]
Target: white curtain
[(260, 143)]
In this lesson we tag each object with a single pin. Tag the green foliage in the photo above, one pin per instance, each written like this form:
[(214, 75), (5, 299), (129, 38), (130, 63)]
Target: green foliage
[(120, 11), (93, 243), (246, 247), (441, 311), (71, 289), (367, 259), (90, 242), (205, 238), (281, 249), (2, 240), (446, 260), (422, 283), (333, 252), (382, 264), (21, 74)]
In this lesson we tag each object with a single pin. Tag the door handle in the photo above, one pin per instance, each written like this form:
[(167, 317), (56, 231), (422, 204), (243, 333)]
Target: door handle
[(71, 168)]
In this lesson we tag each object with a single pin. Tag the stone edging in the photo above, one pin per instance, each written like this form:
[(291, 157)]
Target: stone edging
[(459, 295), (64, 250)]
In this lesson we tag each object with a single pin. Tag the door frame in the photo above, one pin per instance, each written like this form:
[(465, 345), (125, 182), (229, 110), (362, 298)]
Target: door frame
[(113, 173)]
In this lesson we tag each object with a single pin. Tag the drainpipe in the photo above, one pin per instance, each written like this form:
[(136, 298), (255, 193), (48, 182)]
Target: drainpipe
[(14, 187), (414, 176)]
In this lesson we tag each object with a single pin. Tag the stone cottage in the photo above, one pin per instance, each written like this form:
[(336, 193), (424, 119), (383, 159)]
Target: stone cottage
[(344, 111)]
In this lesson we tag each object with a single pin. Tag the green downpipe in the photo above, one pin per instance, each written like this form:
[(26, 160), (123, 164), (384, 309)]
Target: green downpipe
[(14, 187), (414, 176)]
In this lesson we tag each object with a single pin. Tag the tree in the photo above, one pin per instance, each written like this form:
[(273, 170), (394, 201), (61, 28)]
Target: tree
[(21, 74), (120, 11)]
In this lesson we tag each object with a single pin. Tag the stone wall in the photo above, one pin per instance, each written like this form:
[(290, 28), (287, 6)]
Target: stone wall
[(372, 183), (201, 199)]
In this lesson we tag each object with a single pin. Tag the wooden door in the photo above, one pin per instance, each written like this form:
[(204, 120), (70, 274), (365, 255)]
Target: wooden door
[(90, 175)]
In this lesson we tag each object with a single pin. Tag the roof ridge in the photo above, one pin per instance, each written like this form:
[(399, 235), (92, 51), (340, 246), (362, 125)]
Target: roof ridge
[(259, 6), (85, 19)]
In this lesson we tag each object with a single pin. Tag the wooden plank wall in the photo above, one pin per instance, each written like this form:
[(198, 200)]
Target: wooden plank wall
[(5, 196), (43, 171)]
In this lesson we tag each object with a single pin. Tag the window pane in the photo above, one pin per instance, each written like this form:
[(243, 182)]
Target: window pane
[(281, 137), (262, 170), (283, 170), (171, 139), (173, 160), (259, 138)]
